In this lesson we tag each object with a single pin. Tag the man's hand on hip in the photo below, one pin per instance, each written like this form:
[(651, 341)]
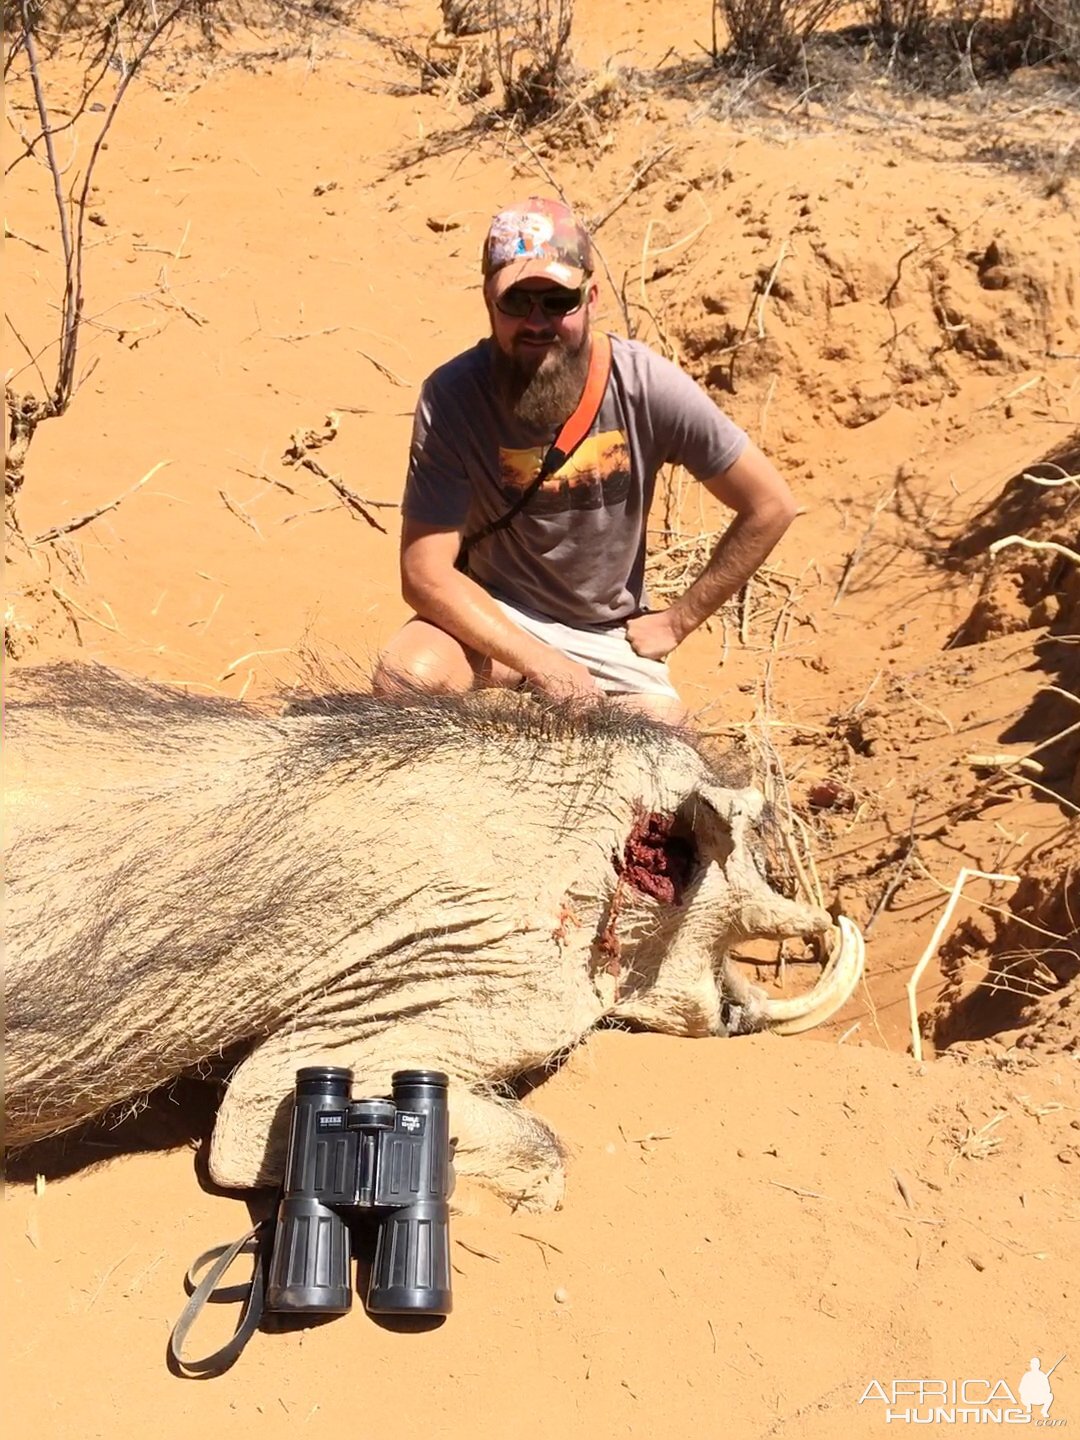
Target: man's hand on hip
[(653, 636)]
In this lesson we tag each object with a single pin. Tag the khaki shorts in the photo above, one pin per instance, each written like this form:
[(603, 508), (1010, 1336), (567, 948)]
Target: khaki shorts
[(607, 654)]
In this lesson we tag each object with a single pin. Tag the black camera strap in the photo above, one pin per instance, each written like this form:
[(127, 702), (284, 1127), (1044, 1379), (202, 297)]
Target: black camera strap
[(256, 1242), (559, 451)]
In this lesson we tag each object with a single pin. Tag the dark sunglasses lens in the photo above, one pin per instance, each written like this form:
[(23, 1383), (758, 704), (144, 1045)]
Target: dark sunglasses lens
[(560, 302), (519, 303)]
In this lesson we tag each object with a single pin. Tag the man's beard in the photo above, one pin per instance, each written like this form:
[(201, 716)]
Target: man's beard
[(542, 396)]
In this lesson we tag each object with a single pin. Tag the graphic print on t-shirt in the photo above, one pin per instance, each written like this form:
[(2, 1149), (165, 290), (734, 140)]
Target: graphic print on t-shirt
[(596, 475)]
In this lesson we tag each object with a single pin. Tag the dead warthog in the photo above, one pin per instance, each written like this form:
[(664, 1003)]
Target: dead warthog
[(450, 883)]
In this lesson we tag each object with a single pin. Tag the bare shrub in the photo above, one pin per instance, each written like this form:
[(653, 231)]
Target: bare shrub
[(119, 47), (1047, 30), (965, 41), (770, 34), (112, 41), (466, 17), (57, 21), (904, 25), (532, 48)]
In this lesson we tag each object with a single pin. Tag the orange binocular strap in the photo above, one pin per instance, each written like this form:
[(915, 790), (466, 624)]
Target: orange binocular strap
[(564, 445), (592, 397)]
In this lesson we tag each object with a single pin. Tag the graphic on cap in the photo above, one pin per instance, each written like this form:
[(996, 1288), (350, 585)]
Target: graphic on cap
[(537, 238)]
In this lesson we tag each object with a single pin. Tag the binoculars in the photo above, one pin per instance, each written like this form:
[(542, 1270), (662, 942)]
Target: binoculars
[(387, 1160)]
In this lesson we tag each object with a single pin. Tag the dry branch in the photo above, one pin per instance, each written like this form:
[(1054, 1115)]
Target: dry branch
[(356, 505), (81, 520), (75, 207), (935, 940), (354, 502), (1050, 545)]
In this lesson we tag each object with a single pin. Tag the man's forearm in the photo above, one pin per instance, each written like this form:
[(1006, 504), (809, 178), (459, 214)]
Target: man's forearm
[(465, 610), (742, 548)]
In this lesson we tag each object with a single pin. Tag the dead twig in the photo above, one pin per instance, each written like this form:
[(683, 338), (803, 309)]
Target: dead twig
[(545, 1246), (358, 506), (12, 235), (804, 1194), (756, 315), (302, 514), (240, 513), (269, 479), (910, 846), (901, 1183), (635, 184), (81, 520), (475, 1250), (383, 369), (354, 502)]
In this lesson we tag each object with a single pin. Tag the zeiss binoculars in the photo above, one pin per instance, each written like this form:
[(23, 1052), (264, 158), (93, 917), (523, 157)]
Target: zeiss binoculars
[(387, 1161)]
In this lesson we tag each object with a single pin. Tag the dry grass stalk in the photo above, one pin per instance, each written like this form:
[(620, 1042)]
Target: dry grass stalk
[(977, 1144), (73, 605), (234, 665)]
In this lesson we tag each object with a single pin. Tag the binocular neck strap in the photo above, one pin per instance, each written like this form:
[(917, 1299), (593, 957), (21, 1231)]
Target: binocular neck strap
[(256, 1242)]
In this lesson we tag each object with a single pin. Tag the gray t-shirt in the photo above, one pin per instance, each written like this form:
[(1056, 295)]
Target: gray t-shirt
[(576, 552)]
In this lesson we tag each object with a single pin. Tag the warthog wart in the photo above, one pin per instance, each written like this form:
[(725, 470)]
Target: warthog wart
[(454, 884)]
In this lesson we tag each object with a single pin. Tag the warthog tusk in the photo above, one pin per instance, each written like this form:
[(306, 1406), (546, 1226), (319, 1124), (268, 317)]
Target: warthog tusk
[(833, 989)]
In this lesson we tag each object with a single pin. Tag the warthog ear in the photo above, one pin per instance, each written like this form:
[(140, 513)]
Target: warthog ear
[(740, 816), (716, 810), (741, 805)]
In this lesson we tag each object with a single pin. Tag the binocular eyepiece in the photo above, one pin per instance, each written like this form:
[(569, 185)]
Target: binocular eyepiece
[(388, 1160)]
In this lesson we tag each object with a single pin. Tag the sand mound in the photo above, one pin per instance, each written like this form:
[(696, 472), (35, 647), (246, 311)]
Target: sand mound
[(1029, 998), (1022, 588)]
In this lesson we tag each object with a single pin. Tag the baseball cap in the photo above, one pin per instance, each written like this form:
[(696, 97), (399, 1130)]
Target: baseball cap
[(536, 238)]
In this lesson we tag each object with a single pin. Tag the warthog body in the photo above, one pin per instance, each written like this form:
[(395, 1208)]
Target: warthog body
[(450, 884)]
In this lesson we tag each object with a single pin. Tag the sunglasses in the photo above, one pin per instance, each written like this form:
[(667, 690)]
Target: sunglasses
[(518, 302)]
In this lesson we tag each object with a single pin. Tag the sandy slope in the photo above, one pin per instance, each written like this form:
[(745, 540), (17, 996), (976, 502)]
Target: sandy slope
[(286, 239)]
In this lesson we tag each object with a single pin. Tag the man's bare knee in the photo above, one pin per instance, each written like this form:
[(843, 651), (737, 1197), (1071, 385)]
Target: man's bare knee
[(420, 675), (668, 709), (421, 659)]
